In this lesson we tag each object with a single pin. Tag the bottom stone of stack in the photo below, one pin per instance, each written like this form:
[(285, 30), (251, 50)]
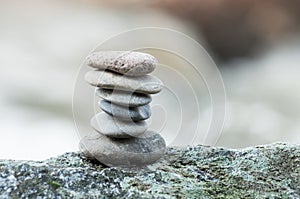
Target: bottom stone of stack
[(131, 152)]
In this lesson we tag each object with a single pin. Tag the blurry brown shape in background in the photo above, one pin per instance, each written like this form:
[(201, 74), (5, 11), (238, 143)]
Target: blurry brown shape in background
[(238, 28)]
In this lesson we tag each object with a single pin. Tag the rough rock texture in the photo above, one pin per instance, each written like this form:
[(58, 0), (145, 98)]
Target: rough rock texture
[(271, 171)]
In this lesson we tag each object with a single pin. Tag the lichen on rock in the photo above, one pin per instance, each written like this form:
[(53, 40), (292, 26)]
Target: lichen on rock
[(268, 171)]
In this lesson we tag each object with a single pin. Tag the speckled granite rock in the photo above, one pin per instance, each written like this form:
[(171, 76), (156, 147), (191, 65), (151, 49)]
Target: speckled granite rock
[(270, 171)]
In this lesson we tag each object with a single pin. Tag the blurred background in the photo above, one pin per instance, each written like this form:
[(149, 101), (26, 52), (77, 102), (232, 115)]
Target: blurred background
[(255, 44)]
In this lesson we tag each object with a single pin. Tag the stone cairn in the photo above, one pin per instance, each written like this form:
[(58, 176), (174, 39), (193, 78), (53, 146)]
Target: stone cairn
[(124, 86)]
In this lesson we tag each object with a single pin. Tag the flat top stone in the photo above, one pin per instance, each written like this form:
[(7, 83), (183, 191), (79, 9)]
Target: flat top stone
[(124, 62), (124, 98), (266, 171), (147, 84)]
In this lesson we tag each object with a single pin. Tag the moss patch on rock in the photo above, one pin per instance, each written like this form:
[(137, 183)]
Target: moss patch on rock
[(269, 171)]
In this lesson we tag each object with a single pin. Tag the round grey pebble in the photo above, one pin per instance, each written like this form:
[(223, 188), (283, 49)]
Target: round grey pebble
[(126, 113), (124, 98), (147, 84), (112, 127), (131, 152), (123, 62)]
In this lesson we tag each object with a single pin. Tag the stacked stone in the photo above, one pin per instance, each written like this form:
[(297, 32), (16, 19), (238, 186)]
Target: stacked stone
[(124, 86)]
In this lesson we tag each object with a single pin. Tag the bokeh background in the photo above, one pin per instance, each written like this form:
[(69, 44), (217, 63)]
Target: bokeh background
[(255, 44)]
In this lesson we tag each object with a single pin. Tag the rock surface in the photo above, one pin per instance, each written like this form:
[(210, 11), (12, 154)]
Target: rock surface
[(112, 127), (124, 98), (147, 84), (124, 62), (137, 151), (270, 171), (126, 113)]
